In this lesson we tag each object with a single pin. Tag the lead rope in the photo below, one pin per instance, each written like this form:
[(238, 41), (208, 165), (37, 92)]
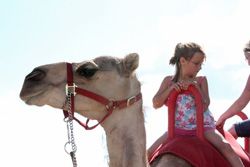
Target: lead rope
[(70, 146)]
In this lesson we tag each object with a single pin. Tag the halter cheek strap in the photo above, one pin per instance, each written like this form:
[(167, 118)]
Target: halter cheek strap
[(72, 90)]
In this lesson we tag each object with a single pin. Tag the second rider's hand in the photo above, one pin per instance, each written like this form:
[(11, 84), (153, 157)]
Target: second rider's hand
[(220, 122)]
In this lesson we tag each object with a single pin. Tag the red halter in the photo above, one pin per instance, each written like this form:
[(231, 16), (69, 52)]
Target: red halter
[(72, 90)]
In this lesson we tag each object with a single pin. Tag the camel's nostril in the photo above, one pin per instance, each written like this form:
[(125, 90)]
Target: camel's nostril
[(36, 75)]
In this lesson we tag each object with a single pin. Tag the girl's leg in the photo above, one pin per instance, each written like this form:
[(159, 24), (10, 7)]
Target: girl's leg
[(216, 139)]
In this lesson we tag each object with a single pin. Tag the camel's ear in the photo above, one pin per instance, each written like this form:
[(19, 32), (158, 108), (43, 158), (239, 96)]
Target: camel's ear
[(130, 63)]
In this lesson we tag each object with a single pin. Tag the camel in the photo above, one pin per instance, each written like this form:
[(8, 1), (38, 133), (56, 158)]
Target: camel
[(109, 78)]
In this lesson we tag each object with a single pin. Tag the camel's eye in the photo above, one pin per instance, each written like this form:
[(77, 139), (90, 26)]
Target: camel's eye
[(86, 72)]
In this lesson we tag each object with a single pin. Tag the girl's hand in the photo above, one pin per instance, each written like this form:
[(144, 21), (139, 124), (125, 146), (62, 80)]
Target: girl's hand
[(176, 86), (184, 85)]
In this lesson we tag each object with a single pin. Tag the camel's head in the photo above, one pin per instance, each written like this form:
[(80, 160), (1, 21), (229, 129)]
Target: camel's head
[(110, 77)]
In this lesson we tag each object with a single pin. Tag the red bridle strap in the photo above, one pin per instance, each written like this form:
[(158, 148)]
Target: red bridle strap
[(109, 104)]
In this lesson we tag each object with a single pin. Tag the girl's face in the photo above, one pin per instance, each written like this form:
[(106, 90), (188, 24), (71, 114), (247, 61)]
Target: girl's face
[(190, 68), (247, 56)]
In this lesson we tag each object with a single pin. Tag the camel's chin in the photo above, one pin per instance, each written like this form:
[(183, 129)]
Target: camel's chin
[(54, 104), (32, 101)]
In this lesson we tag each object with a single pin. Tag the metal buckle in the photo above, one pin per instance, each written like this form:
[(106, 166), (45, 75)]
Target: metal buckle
[(131, 100), (110, 105), (70, 89)]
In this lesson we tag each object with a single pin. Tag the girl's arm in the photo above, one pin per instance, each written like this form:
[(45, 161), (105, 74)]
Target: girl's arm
[(163, 92), (238, 105)]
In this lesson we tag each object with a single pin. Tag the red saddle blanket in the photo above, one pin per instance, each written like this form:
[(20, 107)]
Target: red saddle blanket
[(199, 153)]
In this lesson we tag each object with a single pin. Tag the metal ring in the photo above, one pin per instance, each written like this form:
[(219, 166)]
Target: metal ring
[(67, 148)]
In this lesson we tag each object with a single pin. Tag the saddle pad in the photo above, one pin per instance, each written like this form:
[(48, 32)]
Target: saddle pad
[(200, 153), (192, 149)]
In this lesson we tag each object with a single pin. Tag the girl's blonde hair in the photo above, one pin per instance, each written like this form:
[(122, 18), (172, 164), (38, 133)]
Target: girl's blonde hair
[(186, 50)]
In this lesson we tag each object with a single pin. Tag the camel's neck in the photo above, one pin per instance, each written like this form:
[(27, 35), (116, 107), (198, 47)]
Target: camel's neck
[(126, 138)]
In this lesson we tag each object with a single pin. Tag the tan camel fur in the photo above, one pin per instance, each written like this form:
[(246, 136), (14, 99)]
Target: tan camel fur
[(113, 78)]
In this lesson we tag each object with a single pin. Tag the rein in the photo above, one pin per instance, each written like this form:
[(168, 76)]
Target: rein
[(71, 91)]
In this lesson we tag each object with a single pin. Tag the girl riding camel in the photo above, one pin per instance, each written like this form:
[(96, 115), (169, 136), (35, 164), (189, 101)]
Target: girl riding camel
[(188, 59)]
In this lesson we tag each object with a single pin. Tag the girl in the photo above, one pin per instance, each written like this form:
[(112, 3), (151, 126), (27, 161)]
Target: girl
[(188, 59)]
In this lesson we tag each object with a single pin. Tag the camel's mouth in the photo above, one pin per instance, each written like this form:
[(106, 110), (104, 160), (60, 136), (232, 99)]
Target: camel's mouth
[(29, 97)]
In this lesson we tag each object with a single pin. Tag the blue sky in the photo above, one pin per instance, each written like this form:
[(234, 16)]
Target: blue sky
[(41, 32)]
